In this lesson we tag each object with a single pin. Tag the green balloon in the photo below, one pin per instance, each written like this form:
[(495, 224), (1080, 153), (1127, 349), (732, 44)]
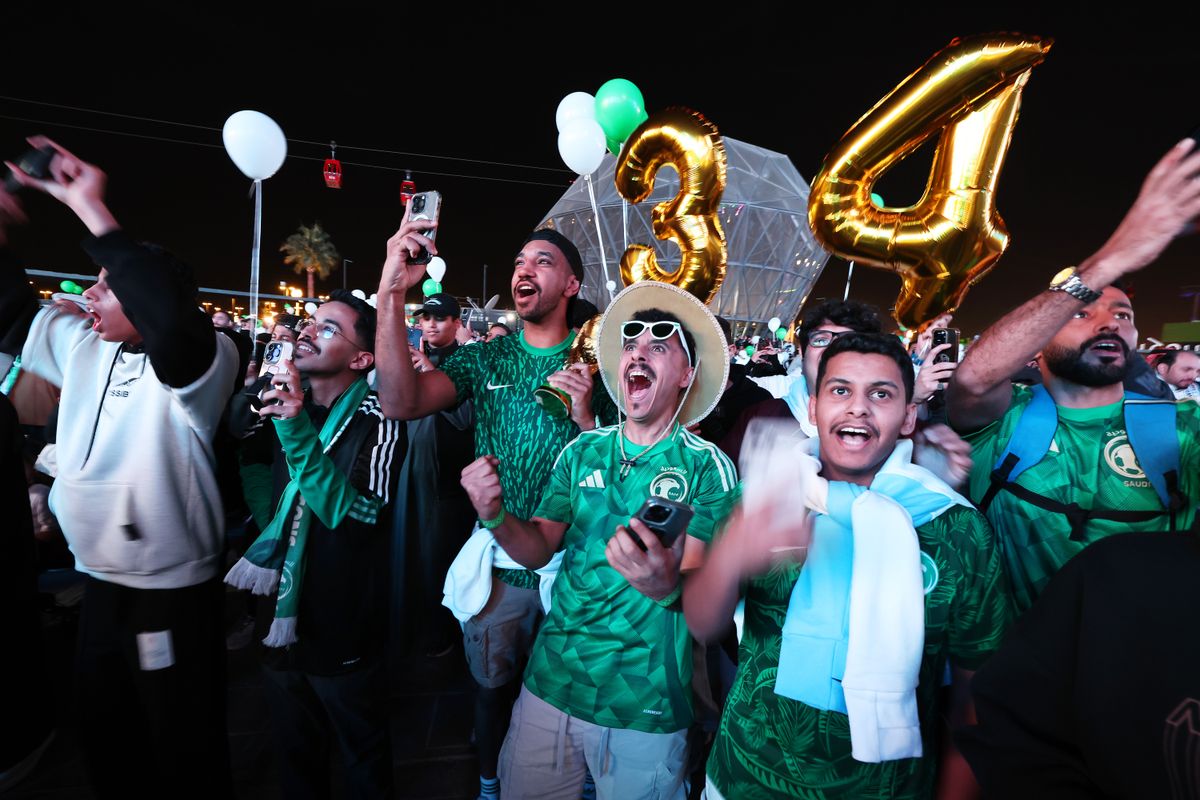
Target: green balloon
[(780, 334), (619, 109), (749, 349), (71, 287), (430, 286), (877, 199), (614, 146)]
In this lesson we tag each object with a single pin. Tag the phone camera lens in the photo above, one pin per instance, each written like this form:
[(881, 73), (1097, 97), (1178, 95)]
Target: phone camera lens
[(658, 514), (418, 204)]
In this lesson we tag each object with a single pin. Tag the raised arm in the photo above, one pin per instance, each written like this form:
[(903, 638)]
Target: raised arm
[(155, 294), (1168, 201), (403, 392)]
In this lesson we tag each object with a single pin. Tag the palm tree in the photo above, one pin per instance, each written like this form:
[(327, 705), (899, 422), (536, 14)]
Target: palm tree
[(310, 250)]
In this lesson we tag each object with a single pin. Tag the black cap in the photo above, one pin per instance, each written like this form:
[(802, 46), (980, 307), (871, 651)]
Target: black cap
[(562, 243), (440, 305)]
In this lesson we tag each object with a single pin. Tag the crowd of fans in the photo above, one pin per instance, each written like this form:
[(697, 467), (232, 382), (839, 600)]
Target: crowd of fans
[(843, 568)]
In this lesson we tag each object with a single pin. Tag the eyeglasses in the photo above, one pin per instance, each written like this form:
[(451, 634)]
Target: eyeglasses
[(823, 338), (664, 329), (325, 331)]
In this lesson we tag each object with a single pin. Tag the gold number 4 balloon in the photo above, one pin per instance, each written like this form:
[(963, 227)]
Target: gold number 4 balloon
[(969, 92), (690, 143)]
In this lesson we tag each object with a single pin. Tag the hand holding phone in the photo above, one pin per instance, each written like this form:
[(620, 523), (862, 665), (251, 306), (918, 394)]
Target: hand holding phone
[(667, 519), (425, 206), (950, 336)]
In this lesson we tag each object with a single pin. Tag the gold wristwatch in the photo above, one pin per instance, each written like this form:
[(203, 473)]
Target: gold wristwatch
[(1068, 281)]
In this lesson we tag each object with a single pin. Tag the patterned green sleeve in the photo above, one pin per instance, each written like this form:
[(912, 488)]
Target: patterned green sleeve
[(1188, 426), (982, 609), (716, 492), (602, 404), (464, 367), (556, 499)]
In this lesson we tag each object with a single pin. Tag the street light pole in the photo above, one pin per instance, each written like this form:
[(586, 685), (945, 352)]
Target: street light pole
[(345, 261), (483, 297)]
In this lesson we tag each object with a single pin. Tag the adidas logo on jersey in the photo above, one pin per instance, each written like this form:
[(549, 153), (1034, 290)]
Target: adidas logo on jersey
[(593, 481)]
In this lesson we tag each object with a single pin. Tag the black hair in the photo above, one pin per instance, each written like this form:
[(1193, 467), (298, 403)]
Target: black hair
[(498, 324), (658, 315), (1168, 358), (580, 311), (852, 314), (872, 343), (364, 322), (726, 329)]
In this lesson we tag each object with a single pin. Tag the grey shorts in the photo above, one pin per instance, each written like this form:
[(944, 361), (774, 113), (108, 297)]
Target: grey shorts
[(498, 639), (547, 752)]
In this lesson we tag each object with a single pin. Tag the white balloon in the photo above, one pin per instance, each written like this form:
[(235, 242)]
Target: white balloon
[(754, 339), (436, 268), (576, 105), (372, 299), (582, 145), (255, 143), (611, 286), (773, 323), (310, 307), (360, 294)]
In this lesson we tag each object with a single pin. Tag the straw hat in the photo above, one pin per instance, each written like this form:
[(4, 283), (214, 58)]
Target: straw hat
[(713, 370)]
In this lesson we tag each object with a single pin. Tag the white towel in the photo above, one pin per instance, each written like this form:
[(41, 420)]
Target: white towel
[(469, 581)]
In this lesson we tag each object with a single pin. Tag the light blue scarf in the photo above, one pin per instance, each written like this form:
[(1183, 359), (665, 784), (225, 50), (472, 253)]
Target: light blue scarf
[(887, 600)]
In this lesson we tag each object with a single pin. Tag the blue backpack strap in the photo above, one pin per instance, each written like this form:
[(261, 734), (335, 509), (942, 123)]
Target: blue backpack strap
[(1032, 436), (1150, 424)]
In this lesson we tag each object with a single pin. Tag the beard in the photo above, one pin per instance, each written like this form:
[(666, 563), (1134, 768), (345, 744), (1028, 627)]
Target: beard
[(1072, 365)]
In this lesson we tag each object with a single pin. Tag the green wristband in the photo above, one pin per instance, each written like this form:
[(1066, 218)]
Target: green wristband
[(493, 523), (673, 598)]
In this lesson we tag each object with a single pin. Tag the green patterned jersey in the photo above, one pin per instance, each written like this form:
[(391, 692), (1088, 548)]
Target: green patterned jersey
[(501, 376), (606, 653), (770, 746), (1090, 463)]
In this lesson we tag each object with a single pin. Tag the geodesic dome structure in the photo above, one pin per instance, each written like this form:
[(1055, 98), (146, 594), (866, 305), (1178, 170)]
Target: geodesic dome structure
[(773, 259)]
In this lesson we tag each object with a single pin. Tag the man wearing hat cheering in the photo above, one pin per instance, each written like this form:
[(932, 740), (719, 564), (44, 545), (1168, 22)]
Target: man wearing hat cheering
[(608, 683), (500, 376)]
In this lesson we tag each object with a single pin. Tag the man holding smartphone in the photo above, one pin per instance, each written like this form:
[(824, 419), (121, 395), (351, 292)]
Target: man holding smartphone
[(611, 668), (500, 376)]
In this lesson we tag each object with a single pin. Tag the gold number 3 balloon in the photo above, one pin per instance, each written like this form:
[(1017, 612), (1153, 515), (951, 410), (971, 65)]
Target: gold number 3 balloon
[(690, 143), (970, 92)]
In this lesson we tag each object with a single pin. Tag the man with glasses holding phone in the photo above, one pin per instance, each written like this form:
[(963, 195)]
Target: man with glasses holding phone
[(323, 554), (608, 687)]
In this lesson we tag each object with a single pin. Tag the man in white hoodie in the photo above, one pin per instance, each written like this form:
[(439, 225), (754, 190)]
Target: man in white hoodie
[(144, 380)]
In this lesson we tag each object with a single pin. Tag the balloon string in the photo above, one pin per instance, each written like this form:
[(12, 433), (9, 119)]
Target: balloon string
[(849, 275), (254, 252), (599, 237), (624, 224)]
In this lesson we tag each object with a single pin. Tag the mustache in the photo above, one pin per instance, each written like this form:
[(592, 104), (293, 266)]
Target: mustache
[(1105, 337)]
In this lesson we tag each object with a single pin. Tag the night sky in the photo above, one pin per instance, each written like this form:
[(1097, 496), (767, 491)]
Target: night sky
[(451, 89)]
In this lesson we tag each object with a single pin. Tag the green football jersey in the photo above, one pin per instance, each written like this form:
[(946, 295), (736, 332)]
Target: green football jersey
[(770, 746), (606, 653), (1090, 463), (501, 376)]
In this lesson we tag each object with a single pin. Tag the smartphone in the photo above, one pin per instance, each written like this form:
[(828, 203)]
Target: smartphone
[(425, 205), (414, 338), (666, 518), (273, 356), (34, 163), (940, 336)]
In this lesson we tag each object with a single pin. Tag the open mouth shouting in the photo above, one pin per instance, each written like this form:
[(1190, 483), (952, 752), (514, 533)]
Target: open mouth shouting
[(639, 385), (525, 290), (1106, 347), (305, 347), (854, 436)]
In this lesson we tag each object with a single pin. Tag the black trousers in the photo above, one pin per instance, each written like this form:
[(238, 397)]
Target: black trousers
[(310, 712), (153, 732)]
